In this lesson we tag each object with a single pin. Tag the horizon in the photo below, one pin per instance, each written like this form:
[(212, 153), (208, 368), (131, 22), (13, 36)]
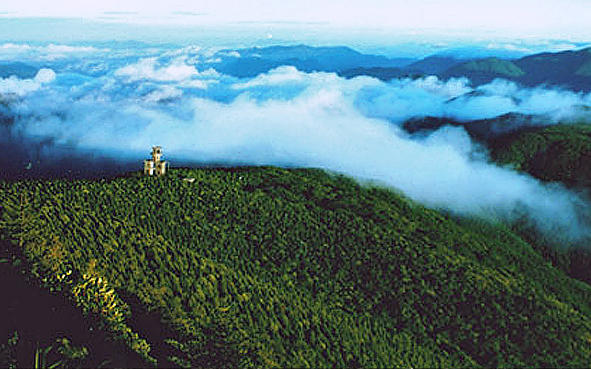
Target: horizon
[(393, 28), (79, 32)]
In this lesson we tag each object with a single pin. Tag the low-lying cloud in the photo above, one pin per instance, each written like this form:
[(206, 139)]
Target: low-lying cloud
[(287, 117), (15, 86), (11, 51)]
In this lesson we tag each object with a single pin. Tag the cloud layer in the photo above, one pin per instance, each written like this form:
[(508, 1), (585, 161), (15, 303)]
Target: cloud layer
[(287, 117)]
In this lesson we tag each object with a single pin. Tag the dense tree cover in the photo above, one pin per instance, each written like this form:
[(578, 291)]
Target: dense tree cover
[(292, 268), (557, 153)]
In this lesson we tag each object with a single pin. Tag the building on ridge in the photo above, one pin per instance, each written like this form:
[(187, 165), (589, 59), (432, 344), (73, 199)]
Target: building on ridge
[(155, 166)]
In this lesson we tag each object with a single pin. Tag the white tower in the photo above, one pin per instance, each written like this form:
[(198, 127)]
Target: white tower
[(155, 166)]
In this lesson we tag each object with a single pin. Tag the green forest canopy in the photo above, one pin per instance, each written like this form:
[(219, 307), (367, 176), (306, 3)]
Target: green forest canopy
[(263, 266)]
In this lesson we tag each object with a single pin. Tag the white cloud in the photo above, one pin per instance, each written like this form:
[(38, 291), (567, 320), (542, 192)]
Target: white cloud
[(22, 87), (45, 75), (148, 69), (286, 117), (12, 51), (450, 89), (164, 93), (276, 77)]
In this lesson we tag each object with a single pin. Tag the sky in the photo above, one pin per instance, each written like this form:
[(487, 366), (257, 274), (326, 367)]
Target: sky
[(551, 19)]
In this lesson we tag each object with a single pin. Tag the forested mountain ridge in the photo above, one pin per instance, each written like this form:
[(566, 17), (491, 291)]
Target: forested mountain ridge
[(290, 268), (567, 69), (558, 153), (483, 71), (555, 153)]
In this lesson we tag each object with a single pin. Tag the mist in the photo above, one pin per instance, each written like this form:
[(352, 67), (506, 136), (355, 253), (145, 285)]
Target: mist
[(100, 111)]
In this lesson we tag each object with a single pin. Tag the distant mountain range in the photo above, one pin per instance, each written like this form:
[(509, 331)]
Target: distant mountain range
[(568, 69), (431, 65), (253, 61)]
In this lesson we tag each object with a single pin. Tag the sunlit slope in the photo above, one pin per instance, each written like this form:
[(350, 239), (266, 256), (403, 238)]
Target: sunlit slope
[(568, 69), (556, 153), (294, 268), (485, 70)]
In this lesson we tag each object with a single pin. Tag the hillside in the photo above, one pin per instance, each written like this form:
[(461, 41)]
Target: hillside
[(556, 153), (434, 64), (567, 69), (384, 74), (485, 70), (559, 153), (287, 268), (584, 70), (483, 130)]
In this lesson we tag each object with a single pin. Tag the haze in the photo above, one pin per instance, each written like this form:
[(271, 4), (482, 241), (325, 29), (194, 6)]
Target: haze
[(361, 22)]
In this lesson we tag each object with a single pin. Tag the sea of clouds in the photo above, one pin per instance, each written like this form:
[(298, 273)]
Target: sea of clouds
[(118, 104)]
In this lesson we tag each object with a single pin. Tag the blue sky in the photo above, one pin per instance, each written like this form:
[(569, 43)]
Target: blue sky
[(369, 25), (505, 17)]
